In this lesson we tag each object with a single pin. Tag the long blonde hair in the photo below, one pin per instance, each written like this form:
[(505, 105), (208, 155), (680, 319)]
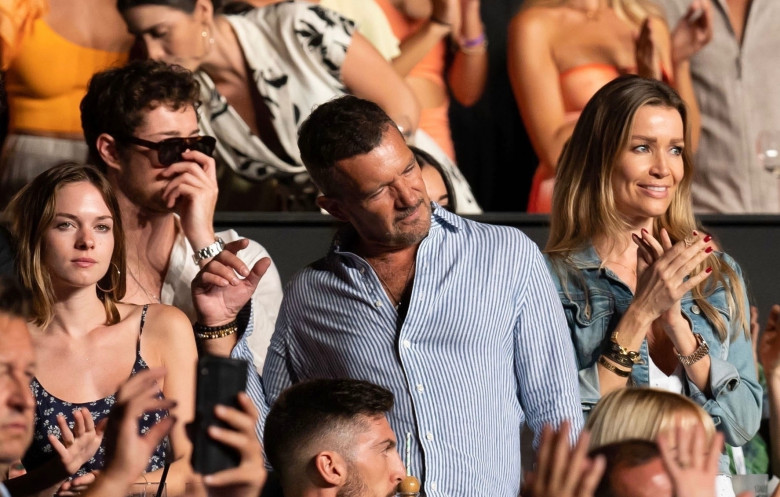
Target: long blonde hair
[(633, 11), (583, 205), (31, 211), (642, 413)]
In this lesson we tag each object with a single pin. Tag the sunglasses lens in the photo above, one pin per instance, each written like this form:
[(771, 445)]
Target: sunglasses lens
[(171, 149)]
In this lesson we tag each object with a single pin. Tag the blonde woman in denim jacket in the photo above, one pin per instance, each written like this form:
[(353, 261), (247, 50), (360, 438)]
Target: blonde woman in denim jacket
[(648, 300)]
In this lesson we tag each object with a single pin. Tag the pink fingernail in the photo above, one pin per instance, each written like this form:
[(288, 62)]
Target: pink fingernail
[(644, 230)]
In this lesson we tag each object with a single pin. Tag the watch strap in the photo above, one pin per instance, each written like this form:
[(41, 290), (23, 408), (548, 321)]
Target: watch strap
[(209, 251)]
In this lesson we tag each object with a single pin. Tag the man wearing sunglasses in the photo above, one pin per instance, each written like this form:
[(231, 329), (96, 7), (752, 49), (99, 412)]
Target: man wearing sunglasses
[(141, 127)]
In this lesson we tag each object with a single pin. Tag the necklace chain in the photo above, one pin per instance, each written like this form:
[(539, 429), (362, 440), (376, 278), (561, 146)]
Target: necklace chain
[(396, 300), (149, 296)]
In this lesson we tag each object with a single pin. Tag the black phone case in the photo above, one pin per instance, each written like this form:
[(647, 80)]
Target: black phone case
[(219, 381)]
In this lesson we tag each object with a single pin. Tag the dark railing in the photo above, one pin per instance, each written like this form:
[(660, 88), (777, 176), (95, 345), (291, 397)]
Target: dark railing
[(296, 239)]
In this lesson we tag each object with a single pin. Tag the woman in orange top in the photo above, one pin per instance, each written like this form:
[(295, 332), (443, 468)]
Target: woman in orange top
[(562, 51), (50, 50), (424, 27)]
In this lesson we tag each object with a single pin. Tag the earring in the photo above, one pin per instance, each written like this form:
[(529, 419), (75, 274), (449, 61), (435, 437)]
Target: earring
[(205, 34), (112, 289)]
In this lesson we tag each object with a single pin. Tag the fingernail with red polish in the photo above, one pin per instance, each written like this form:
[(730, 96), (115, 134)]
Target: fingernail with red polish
[(644, 230), (708, 250), (707, 238), (695, 233), (708, 270)]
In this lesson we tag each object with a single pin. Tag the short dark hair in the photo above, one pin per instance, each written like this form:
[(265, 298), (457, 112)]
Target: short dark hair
[(117, 99), (620, 455), (15, 300), (311, 410), (339, 129)]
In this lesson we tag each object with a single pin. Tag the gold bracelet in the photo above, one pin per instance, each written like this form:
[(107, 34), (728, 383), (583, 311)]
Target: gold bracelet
[(612, 369), (211, 332)]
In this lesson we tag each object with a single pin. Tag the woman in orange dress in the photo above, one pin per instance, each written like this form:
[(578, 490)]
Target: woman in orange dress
[(562, 51)]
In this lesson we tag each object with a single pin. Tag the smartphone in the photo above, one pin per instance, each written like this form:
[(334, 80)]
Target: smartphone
[(220, 379)]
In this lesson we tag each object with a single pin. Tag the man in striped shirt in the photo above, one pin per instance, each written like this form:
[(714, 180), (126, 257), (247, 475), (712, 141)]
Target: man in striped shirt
[(459, 320)]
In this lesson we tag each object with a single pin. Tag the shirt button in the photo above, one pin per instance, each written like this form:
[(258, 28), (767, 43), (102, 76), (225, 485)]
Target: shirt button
[(432, 485), (420, 388), (695, 309), (378, 304), (407, 344), (429, 436)]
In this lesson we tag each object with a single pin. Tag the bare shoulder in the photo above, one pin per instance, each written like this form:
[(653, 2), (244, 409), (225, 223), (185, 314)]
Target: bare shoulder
[(166, 320)]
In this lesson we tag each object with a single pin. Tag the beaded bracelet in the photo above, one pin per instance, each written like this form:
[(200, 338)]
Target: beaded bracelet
[(211, 332)]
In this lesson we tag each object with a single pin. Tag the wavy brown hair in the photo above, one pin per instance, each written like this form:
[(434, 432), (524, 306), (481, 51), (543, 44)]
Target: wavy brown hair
[(31, 212), (583, 206)]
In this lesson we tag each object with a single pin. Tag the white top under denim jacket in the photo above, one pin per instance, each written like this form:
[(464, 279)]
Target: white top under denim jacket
[(735, 401)]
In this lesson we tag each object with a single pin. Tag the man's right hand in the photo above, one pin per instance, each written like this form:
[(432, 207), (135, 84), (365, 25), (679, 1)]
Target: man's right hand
[(218, 292)]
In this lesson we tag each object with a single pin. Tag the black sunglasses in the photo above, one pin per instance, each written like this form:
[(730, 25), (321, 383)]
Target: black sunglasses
[(169, 150)]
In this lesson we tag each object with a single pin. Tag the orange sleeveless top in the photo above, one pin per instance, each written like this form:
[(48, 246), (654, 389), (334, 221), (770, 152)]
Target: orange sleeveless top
[(47, 79)]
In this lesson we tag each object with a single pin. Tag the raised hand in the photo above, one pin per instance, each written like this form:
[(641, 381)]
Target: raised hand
[(77, 446), (448, 12), (692, 32), (692, 462), (192, 193), (248, 478), (648, 60), (661, 271), (563, 471), (218, 292), (128, 452)]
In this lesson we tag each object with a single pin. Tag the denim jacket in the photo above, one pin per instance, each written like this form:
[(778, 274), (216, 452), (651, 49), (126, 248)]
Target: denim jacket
[(735, 400)]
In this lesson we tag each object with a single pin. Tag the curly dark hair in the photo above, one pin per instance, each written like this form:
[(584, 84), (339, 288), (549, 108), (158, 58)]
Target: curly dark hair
[(117, 99), (339, 129)]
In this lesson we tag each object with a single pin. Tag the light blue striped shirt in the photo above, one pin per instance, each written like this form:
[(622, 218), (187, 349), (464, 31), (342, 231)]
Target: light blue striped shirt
[(484, 347), (254, 387)]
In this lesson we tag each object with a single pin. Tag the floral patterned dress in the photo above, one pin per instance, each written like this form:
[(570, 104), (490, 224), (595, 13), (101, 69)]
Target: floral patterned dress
[(48, 407)]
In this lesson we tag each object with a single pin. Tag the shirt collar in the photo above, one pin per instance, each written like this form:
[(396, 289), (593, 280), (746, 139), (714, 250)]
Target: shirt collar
[(587, 258)]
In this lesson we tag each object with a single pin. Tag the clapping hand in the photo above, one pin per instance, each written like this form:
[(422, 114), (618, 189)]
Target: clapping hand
[(692, 462), (77, 446), (693, 31), (563, 471), (662, 269), (648, 60)]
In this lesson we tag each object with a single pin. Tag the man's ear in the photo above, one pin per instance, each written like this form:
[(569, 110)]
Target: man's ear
[(331, 467), (333, 206), (106, 147)]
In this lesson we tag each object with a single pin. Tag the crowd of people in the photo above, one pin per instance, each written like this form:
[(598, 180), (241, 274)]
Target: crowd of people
[(627, 348)]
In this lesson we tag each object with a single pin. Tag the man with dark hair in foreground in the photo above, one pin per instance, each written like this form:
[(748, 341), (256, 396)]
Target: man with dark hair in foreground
[(458, 319), (331, 438)]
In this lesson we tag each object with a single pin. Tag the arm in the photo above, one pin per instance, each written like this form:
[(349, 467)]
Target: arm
[(734, 395), (468, 73), (367, 75), (443, 19), (167, 341), (769, 351), (545, 367), (535, 83)]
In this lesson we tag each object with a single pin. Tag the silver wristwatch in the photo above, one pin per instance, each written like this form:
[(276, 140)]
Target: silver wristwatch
[(209, 251), (702, 350)]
